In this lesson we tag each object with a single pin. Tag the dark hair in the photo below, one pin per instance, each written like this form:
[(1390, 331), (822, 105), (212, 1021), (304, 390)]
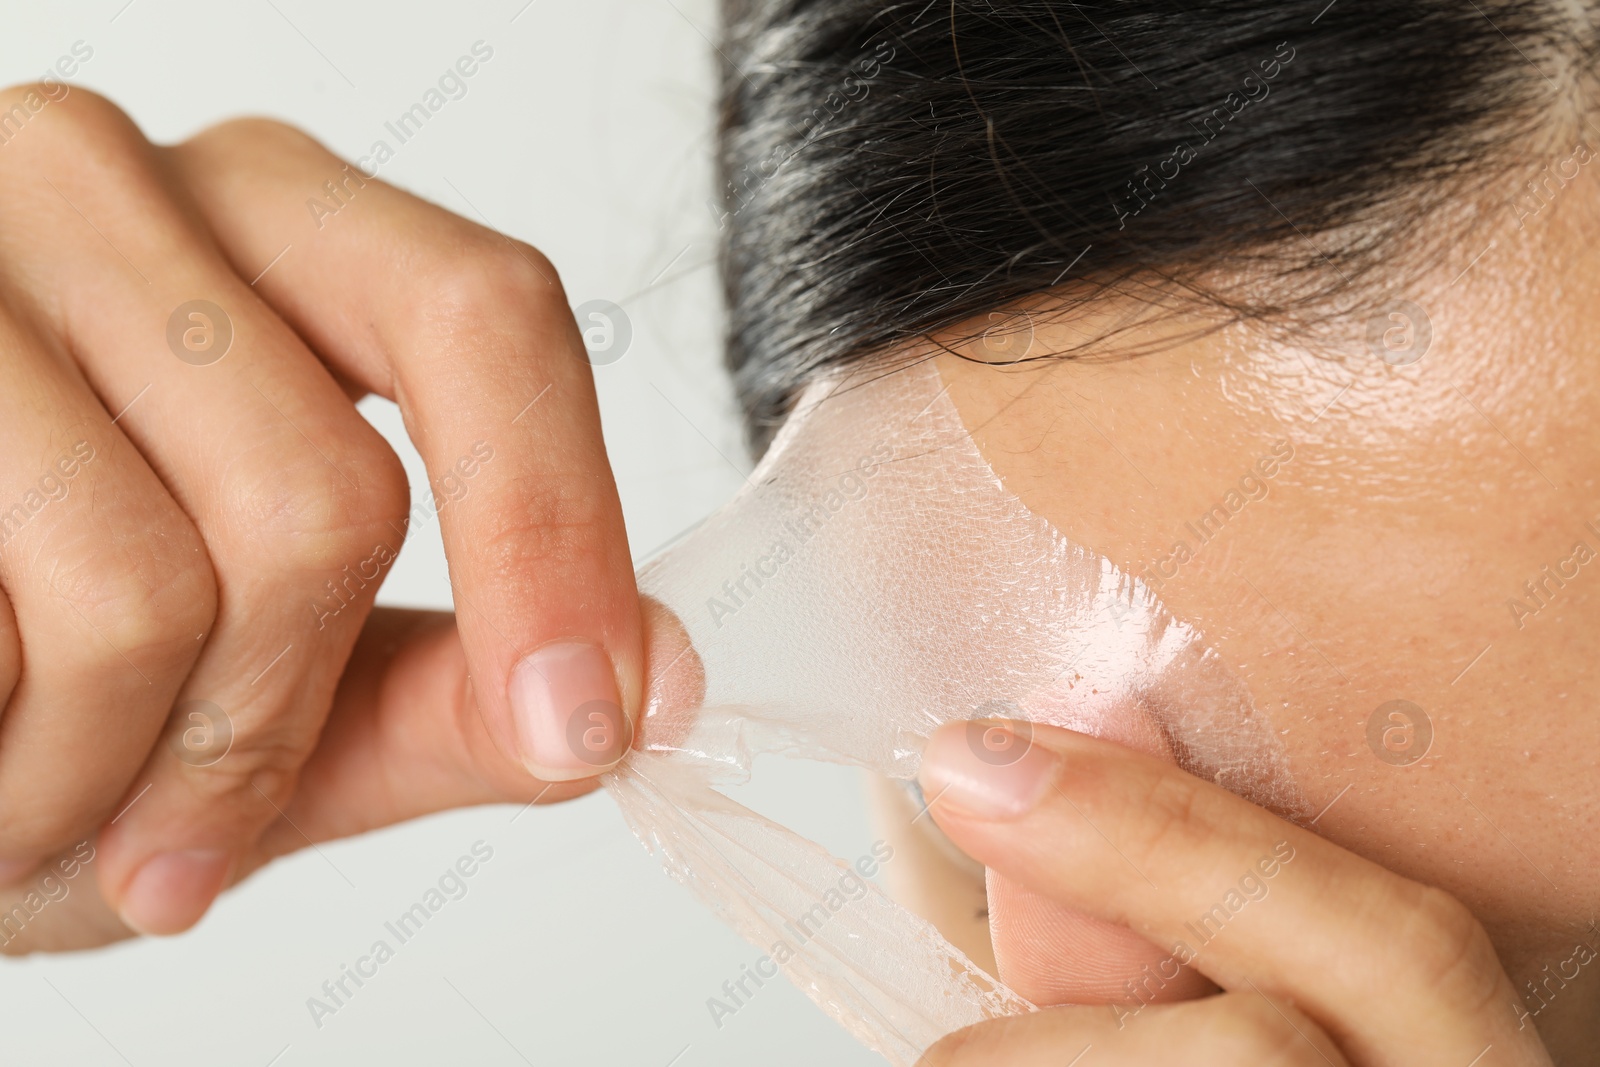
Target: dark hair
[(894, 169)]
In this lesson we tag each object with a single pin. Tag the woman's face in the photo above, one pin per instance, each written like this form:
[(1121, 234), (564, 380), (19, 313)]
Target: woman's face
[(1399, 520)]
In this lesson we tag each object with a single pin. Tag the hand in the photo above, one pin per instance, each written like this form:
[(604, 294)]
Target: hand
[(405, 739), (195, 512), (1322, 957)]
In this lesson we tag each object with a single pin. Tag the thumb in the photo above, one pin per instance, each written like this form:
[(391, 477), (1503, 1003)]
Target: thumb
[(406, 737)]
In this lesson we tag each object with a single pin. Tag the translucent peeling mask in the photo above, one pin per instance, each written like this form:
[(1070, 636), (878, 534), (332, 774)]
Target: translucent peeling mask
[(873, 581)]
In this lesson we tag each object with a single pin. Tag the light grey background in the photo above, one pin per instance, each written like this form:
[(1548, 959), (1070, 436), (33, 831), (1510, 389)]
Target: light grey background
[(589, 134)]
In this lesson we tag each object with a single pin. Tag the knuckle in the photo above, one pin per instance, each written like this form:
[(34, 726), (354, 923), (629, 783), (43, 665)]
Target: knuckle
[(261, 146), (256, 133), (489, 279), (529, 269), (552, 525), (80, 118), (1448, 950), (149, 601), (262, 757), (309, 514)]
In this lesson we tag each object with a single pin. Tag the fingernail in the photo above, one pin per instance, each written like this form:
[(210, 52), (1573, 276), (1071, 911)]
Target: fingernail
[(14, 871), (989, 770), (569, 720), (172, 890)]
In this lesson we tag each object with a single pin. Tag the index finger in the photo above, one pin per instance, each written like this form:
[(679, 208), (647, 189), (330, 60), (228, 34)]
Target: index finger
[(470, 333), (1396, 972)]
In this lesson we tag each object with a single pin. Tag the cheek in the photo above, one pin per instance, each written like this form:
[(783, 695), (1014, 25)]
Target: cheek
[(1378, 569), (1127, 722)]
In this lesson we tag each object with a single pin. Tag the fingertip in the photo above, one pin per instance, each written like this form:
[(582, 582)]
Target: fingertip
[(567, 713), (988, 769), (172, 891)]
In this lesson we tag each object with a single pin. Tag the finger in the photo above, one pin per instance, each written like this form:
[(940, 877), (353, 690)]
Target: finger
[(1053, 954), (404, 740), (59, 907), (1220, 1031), (406, 737), (11, 871), (471, 334), (1247, 899), (297, 498), (112, 592)]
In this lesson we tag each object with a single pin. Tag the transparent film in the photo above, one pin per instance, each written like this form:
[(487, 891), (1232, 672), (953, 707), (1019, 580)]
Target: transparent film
[(873, 581)]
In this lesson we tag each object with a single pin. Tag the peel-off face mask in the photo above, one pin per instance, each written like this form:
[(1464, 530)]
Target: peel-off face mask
[(873, 581)]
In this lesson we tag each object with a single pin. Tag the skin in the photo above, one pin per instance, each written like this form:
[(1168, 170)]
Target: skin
[(181, 522), (1328, 959), (1382, 563), (1378, 566)]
